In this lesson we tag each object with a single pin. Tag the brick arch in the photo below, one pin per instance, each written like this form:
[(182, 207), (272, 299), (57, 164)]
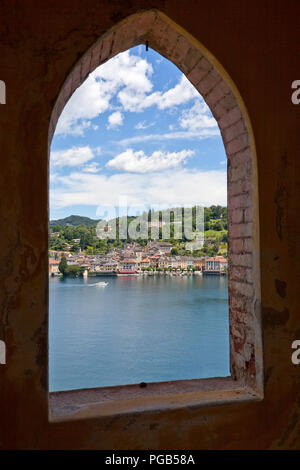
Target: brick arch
[(227, 106)]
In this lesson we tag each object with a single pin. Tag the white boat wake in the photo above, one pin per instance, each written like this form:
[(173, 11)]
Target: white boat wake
[(99, 284)]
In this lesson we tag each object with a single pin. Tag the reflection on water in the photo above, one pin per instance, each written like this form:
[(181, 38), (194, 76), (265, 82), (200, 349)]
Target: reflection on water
[(137, 329)]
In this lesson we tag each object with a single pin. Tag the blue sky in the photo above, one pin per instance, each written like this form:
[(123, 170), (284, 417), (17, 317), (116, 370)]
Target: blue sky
[(136, 131)]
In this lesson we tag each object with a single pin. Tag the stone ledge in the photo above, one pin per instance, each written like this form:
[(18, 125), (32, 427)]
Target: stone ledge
[(130, 399)]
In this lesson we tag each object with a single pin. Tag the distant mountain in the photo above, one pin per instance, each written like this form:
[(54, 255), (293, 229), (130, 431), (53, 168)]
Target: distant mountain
[(211, 213), (74, 220)]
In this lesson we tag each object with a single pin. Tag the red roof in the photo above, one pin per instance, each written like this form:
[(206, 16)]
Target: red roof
[(217, 258)]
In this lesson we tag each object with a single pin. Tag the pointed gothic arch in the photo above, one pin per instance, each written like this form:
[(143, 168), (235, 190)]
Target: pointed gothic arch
[(221, 95)]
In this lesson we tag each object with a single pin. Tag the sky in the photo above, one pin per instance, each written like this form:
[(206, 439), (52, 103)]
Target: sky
[(136, 133)]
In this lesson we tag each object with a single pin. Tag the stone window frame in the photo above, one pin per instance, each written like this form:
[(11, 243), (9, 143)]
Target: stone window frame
[(221, 95)]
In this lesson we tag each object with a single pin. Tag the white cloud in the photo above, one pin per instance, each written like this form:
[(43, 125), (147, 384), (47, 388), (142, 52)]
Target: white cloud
[(93, 97), (97, 151), (142, 125), (74, 156), (115, 120), (136, 101), (53, 177), (87, 102), (138, 162), (91, 168), (178, 135), (181, 93), (75, 128), (197, 118), (178, 186), (126, 77), (223, 162)]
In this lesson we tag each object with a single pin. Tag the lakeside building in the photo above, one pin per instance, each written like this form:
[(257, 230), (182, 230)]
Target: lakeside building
[(134, 258), (128, 265), (199, 264), (216, 264), (53, 266), (145, 263), (108, 266)]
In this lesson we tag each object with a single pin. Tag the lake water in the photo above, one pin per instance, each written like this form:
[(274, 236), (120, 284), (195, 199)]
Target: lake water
[(137, 329)]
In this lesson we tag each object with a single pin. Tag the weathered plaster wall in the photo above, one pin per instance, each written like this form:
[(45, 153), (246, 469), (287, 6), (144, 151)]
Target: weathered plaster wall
[(257, 42)]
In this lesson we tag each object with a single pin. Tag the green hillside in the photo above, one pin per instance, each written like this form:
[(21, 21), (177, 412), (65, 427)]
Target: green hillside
[(74, 232), (74, 220)]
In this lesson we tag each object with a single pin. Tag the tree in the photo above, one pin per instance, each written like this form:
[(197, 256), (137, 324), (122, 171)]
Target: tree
[(217, 225), (74, 271), (174, 251), (86, 239), (63, 266), (68, 233), (75, 248), (224, 237)]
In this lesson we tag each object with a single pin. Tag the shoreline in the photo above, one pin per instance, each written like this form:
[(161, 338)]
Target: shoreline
[(153, 273)]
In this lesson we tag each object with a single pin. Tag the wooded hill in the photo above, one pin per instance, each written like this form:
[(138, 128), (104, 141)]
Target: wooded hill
[(74, 220), (74, 232)]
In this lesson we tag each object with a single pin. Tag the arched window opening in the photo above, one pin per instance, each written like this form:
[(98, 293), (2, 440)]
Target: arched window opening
[(216, 100)]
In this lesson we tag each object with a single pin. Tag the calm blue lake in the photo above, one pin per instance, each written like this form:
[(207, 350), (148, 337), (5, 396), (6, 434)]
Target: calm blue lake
[(137, 329)]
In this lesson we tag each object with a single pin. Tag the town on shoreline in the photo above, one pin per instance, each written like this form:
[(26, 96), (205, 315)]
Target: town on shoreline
[(133, 259), (75, 247)]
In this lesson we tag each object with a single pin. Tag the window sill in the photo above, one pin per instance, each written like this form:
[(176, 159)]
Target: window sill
[(160, 396)]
